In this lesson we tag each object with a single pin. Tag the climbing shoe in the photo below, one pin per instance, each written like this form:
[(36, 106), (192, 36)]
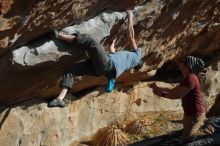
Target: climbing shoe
[(110, 85), (56, 103)]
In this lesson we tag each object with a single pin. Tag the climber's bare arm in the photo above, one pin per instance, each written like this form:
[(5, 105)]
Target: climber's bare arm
[(112, 47), (130, 30), (66, 37)]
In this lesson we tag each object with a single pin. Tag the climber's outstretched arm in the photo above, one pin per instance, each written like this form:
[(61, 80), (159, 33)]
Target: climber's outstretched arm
[(130, 30), (112, 47)]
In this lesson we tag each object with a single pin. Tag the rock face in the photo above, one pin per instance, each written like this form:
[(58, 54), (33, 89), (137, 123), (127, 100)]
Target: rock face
[(165, 31), (33, 123), (23, 22), (31, 63), (214, 110), (51, 56)]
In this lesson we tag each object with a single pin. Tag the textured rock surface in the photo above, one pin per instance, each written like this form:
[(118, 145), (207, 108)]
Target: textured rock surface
[(31, 63), (214, 110), (51, 57), (165, 31), (211, 80), (32, 123), (210, 84), (21, 22)]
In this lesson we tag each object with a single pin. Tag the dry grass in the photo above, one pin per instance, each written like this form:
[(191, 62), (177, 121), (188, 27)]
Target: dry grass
[(110, 136)]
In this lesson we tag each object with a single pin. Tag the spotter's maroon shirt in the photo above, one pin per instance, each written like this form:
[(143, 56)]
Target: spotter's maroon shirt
[(192, 102)]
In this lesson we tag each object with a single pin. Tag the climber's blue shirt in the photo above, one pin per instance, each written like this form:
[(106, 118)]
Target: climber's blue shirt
[(125, 60)]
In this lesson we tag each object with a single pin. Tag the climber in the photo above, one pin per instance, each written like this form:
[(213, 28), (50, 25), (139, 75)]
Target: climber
[(100, 63), (189, 92)]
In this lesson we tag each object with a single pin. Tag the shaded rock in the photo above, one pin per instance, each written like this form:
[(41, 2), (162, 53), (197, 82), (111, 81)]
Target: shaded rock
[(165, 31), (21, 23), (210, 83), (45, 60), (214, 110), (211, 80)]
